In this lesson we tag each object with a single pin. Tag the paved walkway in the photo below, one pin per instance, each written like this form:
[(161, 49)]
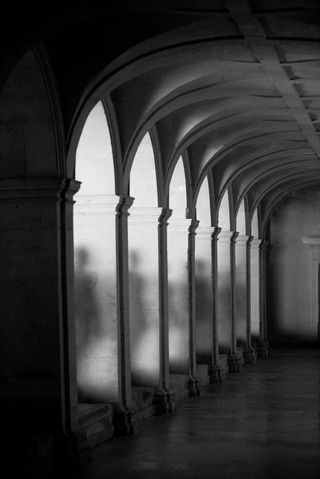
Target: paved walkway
[(261, 423)]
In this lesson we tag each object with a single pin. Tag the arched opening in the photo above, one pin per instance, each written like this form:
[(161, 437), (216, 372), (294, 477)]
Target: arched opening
[(178, 305), (95, 264), (241, 277), (203, 284), (144, 273), (255, 278), (224, 278)]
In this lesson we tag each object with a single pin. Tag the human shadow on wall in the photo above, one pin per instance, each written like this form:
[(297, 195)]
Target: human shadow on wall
[(224, 312), (240, 311), (142, 340), (88, 318), (178, 323), (204, 312)]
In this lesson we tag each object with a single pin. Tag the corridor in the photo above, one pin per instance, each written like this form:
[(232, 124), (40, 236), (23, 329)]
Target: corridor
[(261, 423)]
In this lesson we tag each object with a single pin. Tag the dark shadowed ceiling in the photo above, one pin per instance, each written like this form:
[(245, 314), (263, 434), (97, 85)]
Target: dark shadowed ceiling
[(232, 85)]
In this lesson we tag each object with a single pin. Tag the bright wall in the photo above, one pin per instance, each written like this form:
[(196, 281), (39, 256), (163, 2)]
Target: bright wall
[(293, 295)]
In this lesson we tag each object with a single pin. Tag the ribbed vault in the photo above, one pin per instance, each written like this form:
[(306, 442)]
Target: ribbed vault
[(236, 93)]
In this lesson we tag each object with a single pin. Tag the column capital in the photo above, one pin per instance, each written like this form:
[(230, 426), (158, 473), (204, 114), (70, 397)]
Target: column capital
[(193, 226), (250, 239), (215, 233), (264, 245), (26, 189), (164, 216), (123, 205), (255, 242), (242, 240), (226, 236)]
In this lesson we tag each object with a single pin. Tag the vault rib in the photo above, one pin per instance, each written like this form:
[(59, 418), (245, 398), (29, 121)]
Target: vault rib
[(266, 53)]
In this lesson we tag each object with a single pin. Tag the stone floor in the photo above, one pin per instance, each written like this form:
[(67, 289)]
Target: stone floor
[(261, 423)]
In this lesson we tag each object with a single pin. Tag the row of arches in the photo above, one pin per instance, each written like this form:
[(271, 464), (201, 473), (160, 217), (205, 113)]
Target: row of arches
[(191, 293)]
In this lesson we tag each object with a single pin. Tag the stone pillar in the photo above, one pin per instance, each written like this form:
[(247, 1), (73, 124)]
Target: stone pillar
[(165, 396), (263, 345), (235, 359), (38, 403), (250, 353), (241, 300), (179, 255), (241, 290), (255, 290), (193, 381), (123, 416)]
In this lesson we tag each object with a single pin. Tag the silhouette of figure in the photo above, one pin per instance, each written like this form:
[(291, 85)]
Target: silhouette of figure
[(144, 338), (87, 324), (203, 311)]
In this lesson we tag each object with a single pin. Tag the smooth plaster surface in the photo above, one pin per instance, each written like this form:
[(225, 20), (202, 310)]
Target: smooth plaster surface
[(291, 317)]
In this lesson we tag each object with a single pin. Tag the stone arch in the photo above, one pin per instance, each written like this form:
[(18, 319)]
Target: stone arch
[(95, 263), (31, 135)]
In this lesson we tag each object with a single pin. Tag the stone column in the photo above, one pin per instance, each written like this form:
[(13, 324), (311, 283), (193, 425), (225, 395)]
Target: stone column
[(263, 345), (235, 359), (123, 416), (165, 396), (250, 353), (193, 381), (180, 342), (36, 395), (241, 301), (255, 290)]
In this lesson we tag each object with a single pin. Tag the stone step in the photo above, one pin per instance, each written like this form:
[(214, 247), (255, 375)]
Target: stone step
[(95, 424), (179, 383), (143, 403), (203, 374)]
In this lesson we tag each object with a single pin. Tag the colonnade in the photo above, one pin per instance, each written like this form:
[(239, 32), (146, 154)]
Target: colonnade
[(164, 302)]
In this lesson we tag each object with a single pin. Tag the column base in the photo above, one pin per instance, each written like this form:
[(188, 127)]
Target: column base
[(217, 373), (193, 386), (235, 362), (262, 349), (165, 402), (250, 355), (122, 421)]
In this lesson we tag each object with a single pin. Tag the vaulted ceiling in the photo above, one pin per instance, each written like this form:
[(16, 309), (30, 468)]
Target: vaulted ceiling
[(232, 85)]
